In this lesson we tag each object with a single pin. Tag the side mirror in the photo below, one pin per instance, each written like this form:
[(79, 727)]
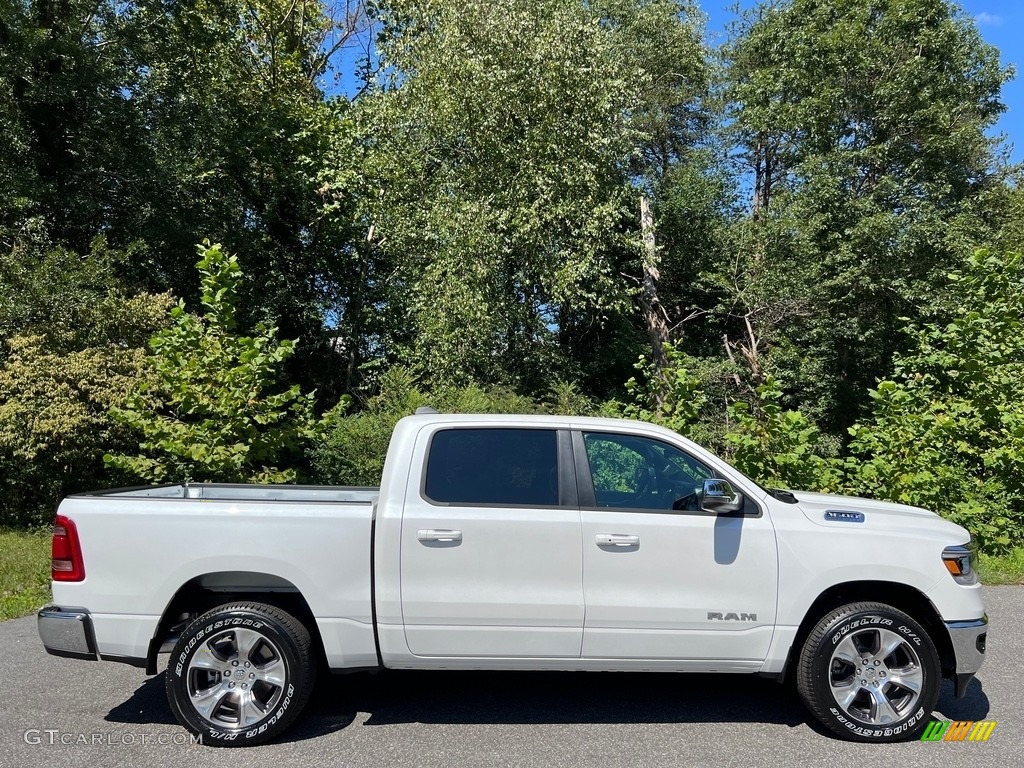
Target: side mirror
[(720, 498)]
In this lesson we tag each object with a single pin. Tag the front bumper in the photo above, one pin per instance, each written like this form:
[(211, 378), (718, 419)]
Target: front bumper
[(67, 632), (968, 639)]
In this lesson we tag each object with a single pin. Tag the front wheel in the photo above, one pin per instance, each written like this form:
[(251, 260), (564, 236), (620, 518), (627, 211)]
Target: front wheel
[(240, 674), (869, 672)]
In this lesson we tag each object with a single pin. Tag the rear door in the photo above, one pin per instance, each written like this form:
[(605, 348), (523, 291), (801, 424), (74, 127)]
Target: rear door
[(662, 579), (491, 560)]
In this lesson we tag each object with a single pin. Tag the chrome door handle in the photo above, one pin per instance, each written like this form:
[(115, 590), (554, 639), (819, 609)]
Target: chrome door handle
[(430, 534), (617, 540)]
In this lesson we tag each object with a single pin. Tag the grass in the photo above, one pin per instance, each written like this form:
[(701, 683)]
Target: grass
[(24, 571), (1004, 569)]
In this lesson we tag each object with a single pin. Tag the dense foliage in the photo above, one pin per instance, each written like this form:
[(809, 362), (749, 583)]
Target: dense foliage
[(74, 347), (520, 205), (947, 432), (207, 409)]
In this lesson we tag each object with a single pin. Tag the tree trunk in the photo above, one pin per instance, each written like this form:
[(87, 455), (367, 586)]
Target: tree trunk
[(654, 314)]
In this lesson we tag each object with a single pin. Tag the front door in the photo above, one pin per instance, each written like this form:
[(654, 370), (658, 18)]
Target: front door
[(663, 580)]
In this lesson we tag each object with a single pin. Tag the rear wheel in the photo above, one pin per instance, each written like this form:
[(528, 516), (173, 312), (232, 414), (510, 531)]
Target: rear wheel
[(869, 672), (240, 674)]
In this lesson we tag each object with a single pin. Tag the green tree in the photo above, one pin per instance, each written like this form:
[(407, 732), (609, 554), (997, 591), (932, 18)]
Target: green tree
[(72, 343), (500, 143), (863, 128), (352, 447), (661, 44), (780, 447), (232, 93), (73, 148), (62, 295), (155, 124), (213, 410), (947, 431), (697, 398), (671, 394)]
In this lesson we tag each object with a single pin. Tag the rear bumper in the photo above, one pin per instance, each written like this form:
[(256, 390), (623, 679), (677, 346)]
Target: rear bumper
[(969, 640), (67, 632)]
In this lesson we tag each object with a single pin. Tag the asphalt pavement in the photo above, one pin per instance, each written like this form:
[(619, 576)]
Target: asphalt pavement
[(59, 712)]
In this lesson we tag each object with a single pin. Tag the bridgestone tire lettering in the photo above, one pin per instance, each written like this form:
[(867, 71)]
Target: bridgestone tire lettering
[(286, 632), (814, 665)]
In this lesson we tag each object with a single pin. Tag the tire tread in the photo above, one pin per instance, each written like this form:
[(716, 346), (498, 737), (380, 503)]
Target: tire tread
[(303, 648), (806, 666)]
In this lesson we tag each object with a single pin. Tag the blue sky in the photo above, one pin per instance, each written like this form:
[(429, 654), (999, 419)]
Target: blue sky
[(1001, 23)]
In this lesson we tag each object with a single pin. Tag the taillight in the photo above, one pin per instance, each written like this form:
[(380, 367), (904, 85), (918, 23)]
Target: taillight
[(67, 564)]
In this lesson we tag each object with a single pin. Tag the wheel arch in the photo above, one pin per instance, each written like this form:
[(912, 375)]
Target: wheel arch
[(205, 592), (904, 597)]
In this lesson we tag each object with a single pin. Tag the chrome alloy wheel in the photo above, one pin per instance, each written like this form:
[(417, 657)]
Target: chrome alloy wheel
[(876, 676), (236, 678)]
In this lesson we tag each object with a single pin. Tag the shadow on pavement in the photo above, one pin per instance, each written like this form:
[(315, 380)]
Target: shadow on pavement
[(570, 697), (147, 705), (512, 697), (973, 706), (457, 697)]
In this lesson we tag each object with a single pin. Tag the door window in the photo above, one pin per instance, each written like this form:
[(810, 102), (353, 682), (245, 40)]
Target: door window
[(631, 472), (475, 466)]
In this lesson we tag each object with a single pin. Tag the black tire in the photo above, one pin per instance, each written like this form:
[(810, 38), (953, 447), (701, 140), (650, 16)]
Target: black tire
[(871, 698), (240, 674)]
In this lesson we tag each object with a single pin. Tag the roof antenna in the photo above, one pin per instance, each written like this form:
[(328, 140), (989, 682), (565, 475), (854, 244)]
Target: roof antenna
[(425, 409)]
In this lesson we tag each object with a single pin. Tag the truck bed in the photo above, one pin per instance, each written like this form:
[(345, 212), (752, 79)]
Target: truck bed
[(158, 542)]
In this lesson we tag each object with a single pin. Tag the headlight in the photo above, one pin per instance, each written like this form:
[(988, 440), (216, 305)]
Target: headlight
[(961, 561)]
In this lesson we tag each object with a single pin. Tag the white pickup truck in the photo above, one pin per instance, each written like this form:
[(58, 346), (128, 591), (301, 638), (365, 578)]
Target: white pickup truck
[(522, 543)]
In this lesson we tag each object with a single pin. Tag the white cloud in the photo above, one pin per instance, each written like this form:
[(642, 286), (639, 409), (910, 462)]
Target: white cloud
[(988, 19)]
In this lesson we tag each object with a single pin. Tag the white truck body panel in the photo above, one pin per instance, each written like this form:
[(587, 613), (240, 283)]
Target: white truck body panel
[(149, 547), (524, 591), (653, 601)]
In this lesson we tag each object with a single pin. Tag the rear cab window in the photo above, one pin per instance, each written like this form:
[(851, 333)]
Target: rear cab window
[(476, 466)]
